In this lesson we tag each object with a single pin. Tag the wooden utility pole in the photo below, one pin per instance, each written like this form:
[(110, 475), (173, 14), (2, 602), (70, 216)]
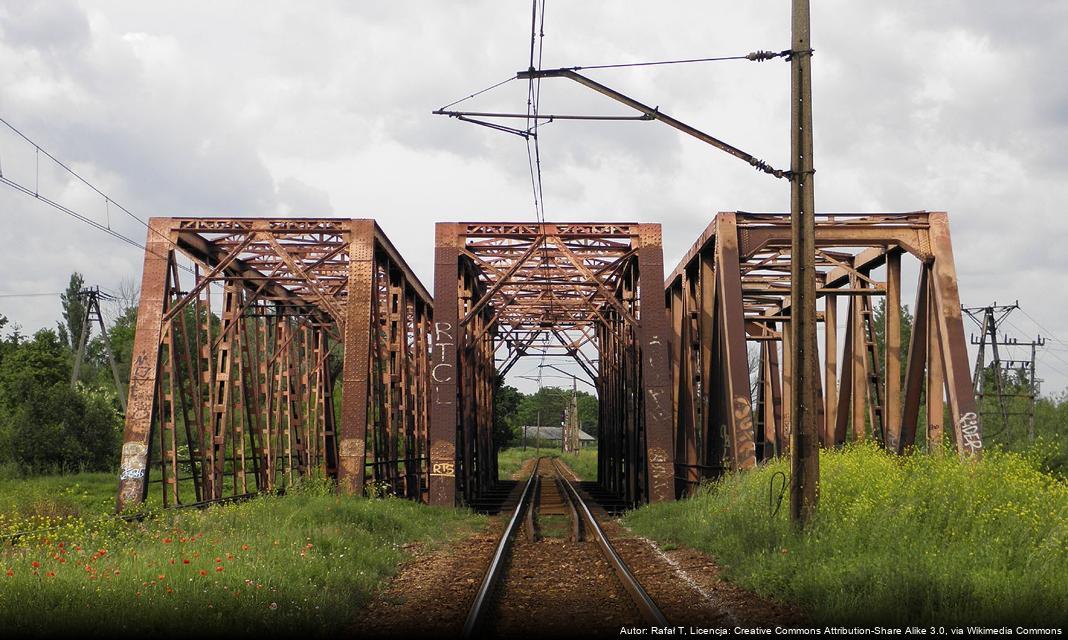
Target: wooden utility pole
[(804, 439)]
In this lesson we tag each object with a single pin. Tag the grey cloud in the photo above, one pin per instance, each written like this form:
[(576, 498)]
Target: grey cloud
[(269, 108)]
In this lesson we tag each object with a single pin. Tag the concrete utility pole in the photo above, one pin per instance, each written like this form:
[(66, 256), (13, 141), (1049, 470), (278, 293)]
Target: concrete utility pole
[(804, 439)]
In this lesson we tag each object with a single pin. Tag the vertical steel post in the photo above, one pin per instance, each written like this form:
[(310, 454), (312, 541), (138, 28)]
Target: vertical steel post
[(892, 326), (443, 370), (804, 451), (656, 392), (830, 355), (352, 432)]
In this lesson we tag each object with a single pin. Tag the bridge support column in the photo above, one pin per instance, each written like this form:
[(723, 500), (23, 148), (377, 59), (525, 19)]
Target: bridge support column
[(443, 391), (656, 384)]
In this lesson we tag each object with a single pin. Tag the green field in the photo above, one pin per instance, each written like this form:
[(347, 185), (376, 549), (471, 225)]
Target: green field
[(300, 563), (914, 540), (510, 461)]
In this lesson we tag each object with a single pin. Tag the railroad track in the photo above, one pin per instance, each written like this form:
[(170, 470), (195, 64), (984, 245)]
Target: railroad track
[(548, 497)]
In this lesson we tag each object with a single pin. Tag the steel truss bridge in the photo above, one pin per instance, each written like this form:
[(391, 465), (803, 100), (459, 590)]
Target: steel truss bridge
[(269, 350)]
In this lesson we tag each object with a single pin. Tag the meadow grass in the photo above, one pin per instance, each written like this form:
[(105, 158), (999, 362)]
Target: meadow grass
[(921, 539), (510, 461), (300, 563), (56, 496)]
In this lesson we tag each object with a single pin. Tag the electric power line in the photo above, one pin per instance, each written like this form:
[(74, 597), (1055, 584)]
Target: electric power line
[(756, 56), (108, 200)]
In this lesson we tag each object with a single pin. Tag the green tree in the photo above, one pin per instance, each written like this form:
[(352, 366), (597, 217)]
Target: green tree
[(549, 403), (879, 318), (506, 401), (121, 339), (44, 423), (70, 330)]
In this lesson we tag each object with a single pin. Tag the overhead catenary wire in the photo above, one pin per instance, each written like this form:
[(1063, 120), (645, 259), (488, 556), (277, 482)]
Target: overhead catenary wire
[(755, 56), (478, 93), (31, 295), (533, 101), (108, 200), (38, 149)]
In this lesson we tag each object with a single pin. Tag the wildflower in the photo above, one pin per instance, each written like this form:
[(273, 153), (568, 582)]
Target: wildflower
[(172, 560), (167, 541), (244, 547), (35, 564), (185, 560), (161, 577), (203, 572), (116, 572), (50, 574), (219, 568), (218, 560), (10, 572), (272, 606)]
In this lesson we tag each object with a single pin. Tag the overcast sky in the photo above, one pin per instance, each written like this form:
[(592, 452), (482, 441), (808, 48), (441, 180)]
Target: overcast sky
[(296, 108)]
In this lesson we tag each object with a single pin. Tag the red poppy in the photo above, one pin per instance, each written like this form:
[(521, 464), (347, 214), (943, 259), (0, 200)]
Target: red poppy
[(10, 572), (203, 572), (185, 560), (50, 574), (35, 564), (167, 541), (219, 568)]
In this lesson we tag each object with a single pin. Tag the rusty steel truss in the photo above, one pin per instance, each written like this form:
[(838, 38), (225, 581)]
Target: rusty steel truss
[(732, 292), (269, 350), (587, 291)]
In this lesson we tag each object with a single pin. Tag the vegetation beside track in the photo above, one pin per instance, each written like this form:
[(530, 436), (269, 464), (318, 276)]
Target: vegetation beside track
[(302, 563), (916, 540), (583, 463)]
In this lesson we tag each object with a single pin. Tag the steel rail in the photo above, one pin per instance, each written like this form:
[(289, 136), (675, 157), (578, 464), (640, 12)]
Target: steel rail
[(475, 615), (638, 594)]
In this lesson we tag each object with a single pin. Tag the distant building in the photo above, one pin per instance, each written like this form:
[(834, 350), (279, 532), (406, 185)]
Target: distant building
[(553, 434)]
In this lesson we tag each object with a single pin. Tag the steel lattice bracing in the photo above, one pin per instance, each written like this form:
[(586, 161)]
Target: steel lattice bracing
[(505, 291), (237, 365), (731, 291)]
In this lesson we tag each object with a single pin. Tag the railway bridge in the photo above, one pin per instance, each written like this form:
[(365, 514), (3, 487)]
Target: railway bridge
[(274, 349)]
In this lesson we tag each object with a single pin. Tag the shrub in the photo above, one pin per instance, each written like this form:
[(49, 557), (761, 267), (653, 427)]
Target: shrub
[(907, 540)]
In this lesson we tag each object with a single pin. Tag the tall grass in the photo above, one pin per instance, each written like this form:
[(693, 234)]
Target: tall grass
[(301, 563), (55, 496), (510, 461), (913, 540)]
